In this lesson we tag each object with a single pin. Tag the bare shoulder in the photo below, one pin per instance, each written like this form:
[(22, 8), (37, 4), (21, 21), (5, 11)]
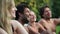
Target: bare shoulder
[(19, 27), (15, 22), (2, 31), (56, 20), (37, 24), (41, 21)]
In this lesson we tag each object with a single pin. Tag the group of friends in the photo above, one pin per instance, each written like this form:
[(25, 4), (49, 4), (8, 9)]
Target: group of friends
[(13, 19)]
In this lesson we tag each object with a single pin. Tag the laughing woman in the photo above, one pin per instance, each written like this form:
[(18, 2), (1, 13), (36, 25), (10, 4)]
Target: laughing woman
[(7, 25)]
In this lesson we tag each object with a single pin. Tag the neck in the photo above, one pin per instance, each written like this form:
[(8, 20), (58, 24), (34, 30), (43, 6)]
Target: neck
[(21, 21), (32, 23), (47, 19)]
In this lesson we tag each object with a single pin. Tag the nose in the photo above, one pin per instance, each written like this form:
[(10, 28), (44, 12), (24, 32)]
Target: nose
[(49, 12), (15, 9)]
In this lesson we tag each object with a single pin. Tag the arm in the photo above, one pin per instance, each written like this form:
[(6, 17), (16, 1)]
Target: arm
[(20, 28), (56, 20), (30, 28), (26, 28), (2, 31), (40, 24), (46, 29)]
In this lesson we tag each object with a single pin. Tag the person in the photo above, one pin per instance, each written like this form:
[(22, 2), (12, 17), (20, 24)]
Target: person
[(5, 26), (7, 13), (20, 13), (47, 21), (32, 26)]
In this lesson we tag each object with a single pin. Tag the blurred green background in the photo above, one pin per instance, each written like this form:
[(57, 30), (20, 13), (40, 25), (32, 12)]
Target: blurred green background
[(35, 4)]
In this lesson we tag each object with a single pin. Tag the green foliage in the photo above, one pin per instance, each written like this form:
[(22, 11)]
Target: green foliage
[(56, 8), (35, 4)]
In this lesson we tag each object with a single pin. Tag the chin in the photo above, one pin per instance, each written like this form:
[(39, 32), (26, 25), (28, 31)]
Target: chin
[(48, 17), (33, 20), (13, 16)]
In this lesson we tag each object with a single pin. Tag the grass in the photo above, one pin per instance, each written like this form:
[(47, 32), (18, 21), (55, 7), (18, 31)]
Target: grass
[(57, 29)]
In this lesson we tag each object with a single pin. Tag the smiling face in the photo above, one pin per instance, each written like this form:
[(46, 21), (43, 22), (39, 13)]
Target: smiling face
[(47, 13), (32, 17), (29, 14), (13, 10), (26, 11)]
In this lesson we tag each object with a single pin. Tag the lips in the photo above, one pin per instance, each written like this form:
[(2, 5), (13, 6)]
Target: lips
[(48, 14), (13, 12)]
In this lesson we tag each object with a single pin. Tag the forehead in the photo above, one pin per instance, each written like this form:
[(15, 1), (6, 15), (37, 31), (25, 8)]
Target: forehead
[(26, 8), (47, 8), (32, 13)]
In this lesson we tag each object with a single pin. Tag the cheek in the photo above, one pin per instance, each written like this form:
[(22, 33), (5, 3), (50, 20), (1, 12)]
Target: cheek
[(12, 12), (32, 17), (13, 9), (35, 18), (28, 19), (27, 14), (49, 14), (46, 13)]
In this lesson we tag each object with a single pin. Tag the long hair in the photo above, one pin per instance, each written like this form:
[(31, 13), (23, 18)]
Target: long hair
[(5, 16)]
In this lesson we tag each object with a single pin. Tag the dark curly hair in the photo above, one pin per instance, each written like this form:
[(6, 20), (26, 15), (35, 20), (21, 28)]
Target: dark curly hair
[(41, 10), (20, 9)]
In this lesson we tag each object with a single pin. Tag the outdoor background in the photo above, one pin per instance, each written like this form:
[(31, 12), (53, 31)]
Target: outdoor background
[(35, 4)]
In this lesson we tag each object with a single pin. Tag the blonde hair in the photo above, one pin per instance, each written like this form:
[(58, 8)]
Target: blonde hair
[(5, 16)]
